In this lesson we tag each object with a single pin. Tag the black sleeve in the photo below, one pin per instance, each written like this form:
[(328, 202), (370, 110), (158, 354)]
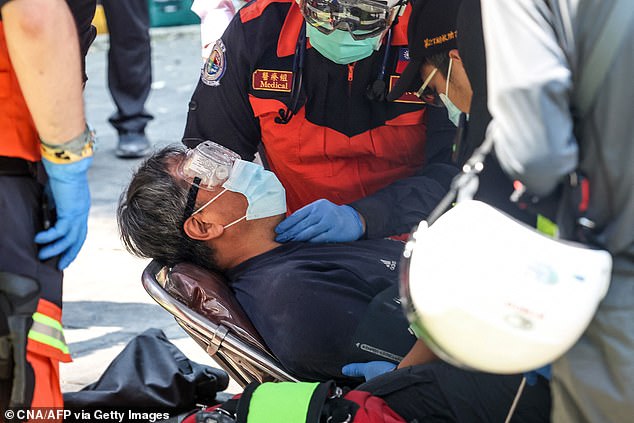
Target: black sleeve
[(396, 208), (222, 113), (439, 392), (441, 134), (84, 11)]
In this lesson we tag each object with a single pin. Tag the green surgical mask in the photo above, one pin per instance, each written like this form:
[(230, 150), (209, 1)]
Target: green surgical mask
[(452, 110), (340, 47)]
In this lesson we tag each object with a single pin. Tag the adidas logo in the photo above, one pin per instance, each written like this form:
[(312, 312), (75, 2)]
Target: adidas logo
[(390, 264)]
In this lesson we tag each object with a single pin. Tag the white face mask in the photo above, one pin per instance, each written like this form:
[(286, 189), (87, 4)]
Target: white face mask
[(264, 192), (201, 208), (452, 110)]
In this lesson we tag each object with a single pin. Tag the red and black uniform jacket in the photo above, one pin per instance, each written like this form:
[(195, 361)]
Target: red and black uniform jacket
[(339, 145)]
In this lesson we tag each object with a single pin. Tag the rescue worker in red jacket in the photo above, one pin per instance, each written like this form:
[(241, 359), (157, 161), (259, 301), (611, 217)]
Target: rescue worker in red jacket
[(42, 126), (308, 81)]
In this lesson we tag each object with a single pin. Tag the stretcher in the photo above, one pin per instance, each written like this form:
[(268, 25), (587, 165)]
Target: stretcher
[(204, 306)]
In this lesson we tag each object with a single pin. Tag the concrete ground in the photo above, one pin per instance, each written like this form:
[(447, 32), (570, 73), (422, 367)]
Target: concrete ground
[(105, 305)]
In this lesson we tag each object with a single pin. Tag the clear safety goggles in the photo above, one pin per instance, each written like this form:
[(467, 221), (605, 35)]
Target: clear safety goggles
[(362, 18), (207, 167)]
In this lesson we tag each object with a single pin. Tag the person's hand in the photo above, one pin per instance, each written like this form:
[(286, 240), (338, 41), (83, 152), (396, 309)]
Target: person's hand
[(69, 186), (321, 221), (368, 370), (531, 377)]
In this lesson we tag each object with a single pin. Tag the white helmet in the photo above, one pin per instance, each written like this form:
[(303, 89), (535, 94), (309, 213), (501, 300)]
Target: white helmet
[(487, 292)]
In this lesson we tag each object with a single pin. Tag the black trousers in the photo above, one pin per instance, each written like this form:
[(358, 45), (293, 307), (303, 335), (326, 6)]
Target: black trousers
[(438, 392), (129, 62), (22, 213)]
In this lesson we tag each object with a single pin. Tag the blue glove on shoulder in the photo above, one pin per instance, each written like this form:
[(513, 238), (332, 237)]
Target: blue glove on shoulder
[(69, 186), (368, 370), (321, 221), (531, 377)]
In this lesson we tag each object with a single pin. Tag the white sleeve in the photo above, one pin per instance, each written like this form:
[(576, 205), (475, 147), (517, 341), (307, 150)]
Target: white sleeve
[(529, 89), (214, 16)]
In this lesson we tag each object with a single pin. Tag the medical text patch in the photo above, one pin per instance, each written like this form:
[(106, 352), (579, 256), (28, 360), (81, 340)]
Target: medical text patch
[(215, 65), (272, 80), (407, 97)]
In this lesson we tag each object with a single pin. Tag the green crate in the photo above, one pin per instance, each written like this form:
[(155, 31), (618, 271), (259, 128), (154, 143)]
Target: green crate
[(171, 13)]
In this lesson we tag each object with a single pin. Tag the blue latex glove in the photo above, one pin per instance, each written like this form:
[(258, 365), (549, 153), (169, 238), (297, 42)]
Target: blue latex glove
[(321, 221), (69, 186), (531, 377), (368, 370)]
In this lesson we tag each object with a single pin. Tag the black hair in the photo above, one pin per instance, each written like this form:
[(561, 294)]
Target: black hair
[(440, 61), (150, 214)]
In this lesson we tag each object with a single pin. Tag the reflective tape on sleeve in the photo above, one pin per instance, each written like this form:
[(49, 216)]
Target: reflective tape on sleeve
[(49, 331)]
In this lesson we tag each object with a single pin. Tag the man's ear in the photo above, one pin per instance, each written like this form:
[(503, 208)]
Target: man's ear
[(455, 55), (196, 228)]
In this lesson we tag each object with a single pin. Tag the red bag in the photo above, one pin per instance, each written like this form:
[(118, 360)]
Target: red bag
[(372, 409)]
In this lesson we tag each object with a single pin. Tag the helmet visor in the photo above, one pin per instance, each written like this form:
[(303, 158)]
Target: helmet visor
[(362, 18), (208, 165), (417, 323)]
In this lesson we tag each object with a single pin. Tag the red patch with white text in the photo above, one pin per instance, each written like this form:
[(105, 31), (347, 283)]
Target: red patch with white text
[(272, 80)]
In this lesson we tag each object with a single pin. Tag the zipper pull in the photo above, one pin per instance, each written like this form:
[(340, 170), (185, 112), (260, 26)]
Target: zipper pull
[(350, 76)]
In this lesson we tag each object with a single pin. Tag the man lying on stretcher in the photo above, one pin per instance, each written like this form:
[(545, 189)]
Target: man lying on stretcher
[(317, 306)]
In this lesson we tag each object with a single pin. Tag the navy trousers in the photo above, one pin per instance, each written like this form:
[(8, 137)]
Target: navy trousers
[(129, 62)]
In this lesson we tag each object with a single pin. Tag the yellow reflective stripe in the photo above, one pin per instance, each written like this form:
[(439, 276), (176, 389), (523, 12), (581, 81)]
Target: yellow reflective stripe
[(49, 340), (49, 331), (48, 321), (547, 226)]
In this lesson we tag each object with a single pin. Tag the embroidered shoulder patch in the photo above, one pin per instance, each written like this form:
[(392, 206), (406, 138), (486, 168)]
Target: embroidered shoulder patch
[(215, 65), (408, 97), (272, 80), (403, 59)]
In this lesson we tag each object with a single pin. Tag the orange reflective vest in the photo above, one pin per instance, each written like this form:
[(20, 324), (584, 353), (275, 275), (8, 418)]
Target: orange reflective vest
[(18, 137)]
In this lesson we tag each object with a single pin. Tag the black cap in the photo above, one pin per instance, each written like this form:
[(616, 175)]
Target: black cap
[(431, 29)]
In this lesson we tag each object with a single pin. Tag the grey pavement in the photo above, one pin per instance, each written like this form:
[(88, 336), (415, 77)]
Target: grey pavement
[(105, 305)]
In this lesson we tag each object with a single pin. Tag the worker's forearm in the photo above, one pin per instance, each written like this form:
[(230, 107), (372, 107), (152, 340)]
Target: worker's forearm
[(44, 51)]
